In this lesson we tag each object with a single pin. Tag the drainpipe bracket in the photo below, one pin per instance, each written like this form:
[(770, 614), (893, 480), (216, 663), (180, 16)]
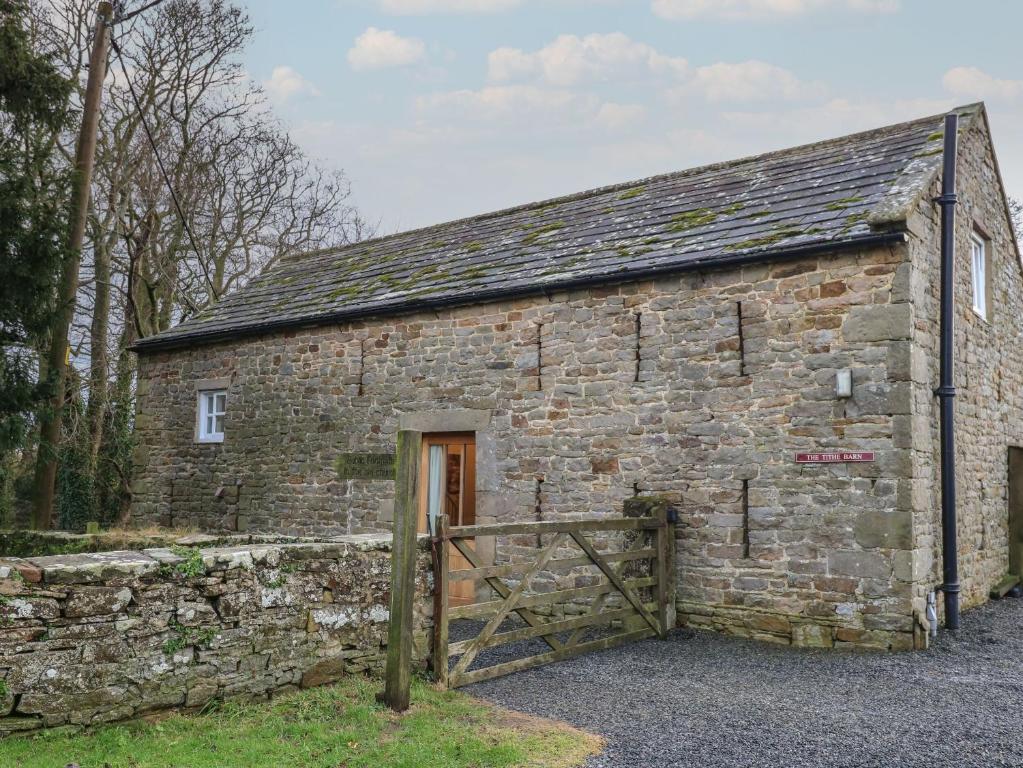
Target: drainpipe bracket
[(945, 391)]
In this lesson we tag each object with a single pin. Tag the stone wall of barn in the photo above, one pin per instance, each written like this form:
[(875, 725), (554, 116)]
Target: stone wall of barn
[(97, 637), (701, 386), (988, 377)]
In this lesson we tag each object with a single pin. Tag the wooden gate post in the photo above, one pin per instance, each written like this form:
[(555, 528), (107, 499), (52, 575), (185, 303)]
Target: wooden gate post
[(398, 673), (665, 565), (441, 568)]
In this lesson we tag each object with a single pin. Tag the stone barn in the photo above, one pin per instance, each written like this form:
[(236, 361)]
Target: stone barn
[(757, 340)]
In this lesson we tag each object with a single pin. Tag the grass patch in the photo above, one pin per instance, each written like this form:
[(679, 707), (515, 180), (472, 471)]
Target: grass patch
[(339, 725)]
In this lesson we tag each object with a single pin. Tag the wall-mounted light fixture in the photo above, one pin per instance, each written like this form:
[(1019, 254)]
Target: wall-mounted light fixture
[(843, 382)]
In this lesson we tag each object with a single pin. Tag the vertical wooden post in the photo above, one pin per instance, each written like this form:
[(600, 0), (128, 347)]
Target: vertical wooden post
[(442, 567), (398, 673), (665, 592)]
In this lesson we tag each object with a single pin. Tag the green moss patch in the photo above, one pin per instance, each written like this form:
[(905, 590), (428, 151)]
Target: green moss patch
[(843, 203), (776, 236), (544, 229), (700, 217)]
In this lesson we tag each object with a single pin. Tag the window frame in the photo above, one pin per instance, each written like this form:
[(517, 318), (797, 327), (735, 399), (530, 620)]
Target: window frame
[(206, 397), (980, 290)]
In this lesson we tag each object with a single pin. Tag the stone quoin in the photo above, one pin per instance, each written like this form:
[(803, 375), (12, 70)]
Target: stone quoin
[(680, 336)]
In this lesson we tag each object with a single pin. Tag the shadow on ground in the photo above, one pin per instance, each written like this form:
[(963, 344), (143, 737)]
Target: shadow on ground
[(707, 700)]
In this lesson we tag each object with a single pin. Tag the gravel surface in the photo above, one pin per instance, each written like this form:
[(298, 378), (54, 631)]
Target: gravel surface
[(707, 700)]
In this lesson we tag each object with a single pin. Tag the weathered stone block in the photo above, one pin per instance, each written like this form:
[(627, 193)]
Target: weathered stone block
[(863, 565), (883, 528), (877, 322), (97, 601)]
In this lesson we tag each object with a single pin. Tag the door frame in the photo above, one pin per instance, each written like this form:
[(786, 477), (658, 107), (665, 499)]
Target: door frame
[(463, 592), (467, 492)]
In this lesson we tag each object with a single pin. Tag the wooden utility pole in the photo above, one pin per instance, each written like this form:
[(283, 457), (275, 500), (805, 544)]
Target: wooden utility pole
[(57, 359)]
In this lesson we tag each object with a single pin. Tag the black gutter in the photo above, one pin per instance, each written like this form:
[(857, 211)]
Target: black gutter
[(946, 390), (155, 343)]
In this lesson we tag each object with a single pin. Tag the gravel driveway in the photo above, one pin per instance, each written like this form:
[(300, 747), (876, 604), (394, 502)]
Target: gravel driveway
[(701, 699)]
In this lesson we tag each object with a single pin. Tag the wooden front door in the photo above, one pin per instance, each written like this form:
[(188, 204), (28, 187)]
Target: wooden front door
[(448, 487)]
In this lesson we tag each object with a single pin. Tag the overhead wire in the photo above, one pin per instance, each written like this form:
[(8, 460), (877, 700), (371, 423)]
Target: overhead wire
[(159, 161)]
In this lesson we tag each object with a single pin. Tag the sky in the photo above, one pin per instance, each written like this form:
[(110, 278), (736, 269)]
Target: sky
[(439, 109)]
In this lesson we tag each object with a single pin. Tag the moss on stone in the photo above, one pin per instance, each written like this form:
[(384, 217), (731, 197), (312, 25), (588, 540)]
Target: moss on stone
[(700, 217), (544, 229), (691, 219), (845, 202), (344, 292), (776, 236), (632, 192)]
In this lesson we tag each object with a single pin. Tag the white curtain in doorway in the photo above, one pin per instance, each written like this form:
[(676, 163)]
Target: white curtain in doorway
[(436, 481)]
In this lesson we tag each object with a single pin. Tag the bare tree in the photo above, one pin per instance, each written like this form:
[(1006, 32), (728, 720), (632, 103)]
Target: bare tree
[(179, 103)]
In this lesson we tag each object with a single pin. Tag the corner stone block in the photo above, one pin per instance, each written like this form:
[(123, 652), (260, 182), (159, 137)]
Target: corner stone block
[(877, 322), (864, 565), (876, 528), (912, 566)]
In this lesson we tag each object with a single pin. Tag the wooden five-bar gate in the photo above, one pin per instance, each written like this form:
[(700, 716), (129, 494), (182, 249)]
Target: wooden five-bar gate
[(625, 566), (586, 585)]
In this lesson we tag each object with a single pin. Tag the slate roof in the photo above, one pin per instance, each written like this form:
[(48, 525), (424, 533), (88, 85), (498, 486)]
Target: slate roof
[(845, 192)]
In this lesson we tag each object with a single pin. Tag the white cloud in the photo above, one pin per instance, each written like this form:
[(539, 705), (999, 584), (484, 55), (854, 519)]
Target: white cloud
[(285, 82), (751, 81), (571, 59), (382, 48), (445, 6), (616, 117), (745, 10), (974, 83), (504, 102)]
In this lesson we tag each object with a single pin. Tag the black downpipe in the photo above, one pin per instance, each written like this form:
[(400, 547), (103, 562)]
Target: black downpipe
[(946, 391)]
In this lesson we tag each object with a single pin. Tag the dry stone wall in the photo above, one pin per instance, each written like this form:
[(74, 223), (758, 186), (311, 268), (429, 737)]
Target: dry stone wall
[(701, 386), (98, 637)]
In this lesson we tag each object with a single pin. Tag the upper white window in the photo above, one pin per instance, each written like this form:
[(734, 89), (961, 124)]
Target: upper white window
[(978, 272), (212, 408)]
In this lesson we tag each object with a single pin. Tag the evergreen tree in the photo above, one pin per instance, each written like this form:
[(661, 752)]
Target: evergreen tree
[(34, 180)]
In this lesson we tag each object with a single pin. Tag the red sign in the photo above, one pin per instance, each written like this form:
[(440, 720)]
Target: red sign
[(834, 457)]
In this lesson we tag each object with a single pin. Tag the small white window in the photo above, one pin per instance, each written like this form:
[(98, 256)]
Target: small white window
[(212, 407), (978, 271)]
